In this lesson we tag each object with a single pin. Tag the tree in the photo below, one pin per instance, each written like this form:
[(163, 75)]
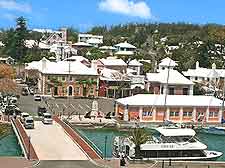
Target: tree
[(95, 54), (72, 34), (139, 136), (21, 34)]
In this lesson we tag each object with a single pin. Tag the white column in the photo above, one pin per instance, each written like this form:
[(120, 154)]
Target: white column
[(140, 113), (154, 114), (207, 114), (116, 110), (167, 113), (194, 114), (191, 90), (164, 89), (181, 114), (125, 114), (220, 115)]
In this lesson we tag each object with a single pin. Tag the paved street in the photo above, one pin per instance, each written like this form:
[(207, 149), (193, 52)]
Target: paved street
[(76, 106), (51, 143)]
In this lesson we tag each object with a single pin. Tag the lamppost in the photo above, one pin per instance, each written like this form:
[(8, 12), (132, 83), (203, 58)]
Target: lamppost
[(28, 156), (105, 145)]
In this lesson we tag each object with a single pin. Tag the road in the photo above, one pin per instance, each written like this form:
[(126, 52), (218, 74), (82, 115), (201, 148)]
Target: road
[(51, 143), (78, 106)]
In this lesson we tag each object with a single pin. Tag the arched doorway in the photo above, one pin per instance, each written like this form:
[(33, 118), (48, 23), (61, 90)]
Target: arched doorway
[(70, 91), (56, 91)]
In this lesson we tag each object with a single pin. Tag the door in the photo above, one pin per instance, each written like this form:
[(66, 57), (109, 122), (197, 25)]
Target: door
[(70, 91)]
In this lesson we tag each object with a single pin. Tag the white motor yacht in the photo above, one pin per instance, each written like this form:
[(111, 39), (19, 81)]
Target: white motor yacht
[(167, 143)]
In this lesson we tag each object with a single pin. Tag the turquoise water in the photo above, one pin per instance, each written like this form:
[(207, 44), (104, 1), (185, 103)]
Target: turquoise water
[(9, 146), (214, 142), (97, 137)]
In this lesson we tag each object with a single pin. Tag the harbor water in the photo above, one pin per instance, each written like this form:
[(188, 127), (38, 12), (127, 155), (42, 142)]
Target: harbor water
[(9, 145), (98, 138)]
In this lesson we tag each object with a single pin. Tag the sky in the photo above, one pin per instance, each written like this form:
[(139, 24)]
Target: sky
[(84, 14)]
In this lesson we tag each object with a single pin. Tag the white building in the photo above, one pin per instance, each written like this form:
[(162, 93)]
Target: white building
[(94, 40), (125, 49), (167, 80), (200, 74)]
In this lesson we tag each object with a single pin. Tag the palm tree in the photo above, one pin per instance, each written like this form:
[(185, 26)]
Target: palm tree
[(139, 136)]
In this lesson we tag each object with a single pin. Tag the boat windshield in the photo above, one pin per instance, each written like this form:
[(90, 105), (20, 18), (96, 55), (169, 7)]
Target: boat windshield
[(178, 139)]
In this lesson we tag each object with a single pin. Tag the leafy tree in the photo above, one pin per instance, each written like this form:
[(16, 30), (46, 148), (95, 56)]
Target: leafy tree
[(95, 54), (72, 34), (21, 34), (139, 136)]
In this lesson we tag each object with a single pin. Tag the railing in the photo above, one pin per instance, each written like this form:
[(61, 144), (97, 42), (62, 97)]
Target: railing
[(99, 152)]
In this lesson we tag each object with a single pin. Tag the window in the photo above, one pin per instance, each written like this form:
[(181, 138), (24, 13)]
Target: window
[(187, 114), (91, 91), (196, 78), (77, 90), (71, 78), (63, 78), (147, 113), (49, 77), (174, 113), (162, 88), (213, 114), (171, 91), (49, 89), (185, 91)]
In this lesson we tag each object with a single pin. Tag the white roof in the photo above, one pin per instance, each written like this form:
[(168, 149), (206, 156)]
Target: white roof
[(36, 65), (168, 62), (113, 62), (176, 131), (112, 75), (76, 58), (1, 44), (82, 44), (107, 48), (204, 72), (94, 41), (62, 67), (124, 53), (172, 100), (175, 77), (125, 45), (32, 43), (135, 63)]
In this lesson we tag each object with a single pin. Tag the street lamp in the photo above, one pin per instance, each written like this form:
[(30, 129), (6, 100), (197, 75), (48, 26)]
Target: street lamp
[(105, 145), (29, 143)]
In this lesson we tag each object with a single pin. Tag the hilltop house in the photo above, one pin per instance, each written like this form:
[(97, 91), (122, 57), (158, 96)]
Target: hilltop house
[(124, 49), (93, 40), (168, 81), (176, 108)]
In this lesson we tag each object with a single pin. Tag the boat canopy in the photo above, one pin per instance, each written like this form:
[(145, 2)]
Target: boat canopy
[(176, 131)]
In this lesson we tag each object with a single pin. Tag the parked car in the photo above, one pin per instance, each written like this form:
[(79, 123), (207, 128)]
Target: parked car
[(37, 98), (41, 110), (23, 116), (28, 122), (47, 118), (24, 92)]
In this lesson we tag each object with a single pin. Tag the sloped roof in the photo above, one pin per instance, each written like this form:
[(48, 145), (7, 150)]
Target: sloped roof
[(107, 48), (76, 58), (113, 62), (172, 100), (112, 75), (175, 77), (82, 44), (205, 73), (125, 45), (124, 53), (168, 62), (135, 63), (94, 41)]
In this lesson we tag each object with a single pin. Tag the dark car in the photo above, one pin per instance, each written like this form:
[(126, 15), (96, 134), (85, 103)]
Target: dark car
[(24, 92), (41, 110)]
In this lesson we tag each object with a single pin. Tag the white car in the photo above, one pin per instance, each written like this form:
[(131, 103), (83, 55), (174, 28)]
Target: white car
[(47, 118), (37, 98), (23, 116)]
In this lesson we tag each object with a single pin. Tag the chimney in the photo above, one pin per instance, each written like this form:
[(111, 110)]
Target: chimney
[(197, 65), (213, 66), (43, 64)]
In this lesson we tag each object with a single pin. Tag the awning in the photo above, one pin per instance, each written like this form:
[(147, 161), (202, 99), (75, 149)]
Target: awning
[(137, 85)]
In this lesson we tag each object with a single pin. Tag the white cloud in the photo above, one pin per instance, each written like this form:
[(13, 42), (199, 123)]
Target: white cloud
[(9, 16), (13, 5), (127, 7)]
